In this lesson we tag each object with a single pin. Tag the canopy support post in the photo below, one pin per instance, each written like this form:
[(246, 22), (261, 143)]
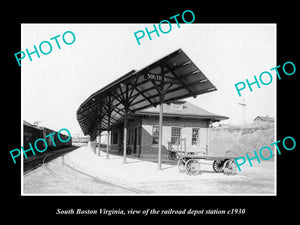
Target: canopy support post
[(125, 134), (160, 132), (108, 136), (161, 111), (99, 143), (99, 125), (108, 109), (99, 139)]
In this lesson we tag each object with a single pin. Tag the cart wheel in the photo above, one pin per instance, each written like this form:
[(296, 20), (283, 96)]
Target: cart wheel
[(172, 155), (218, 166), (181, 165), (230, 167), (192, 167)]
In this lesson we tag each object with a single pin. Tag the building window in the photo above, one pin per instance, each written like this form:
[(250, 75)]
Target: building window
[(115, 137), (155, 135), (195, 136), (175, 135)]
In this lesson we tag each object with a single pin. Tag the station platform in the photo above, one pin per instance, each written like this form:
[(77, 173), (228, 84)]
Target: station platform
[(143, 174)]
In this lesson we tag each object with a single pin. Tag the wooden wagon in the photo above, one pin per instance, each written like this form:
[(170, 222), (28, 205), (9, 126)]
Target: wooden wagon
[(189, 162)]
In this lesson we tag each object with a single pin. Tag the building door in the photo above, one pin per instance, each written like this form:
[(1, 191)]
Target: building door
[(134, 140), (139, 137)]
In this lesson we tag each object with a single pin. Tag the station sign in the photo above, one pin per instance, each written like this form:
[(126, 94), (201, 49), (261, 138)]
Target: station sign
[(151, 76), (158, 77)]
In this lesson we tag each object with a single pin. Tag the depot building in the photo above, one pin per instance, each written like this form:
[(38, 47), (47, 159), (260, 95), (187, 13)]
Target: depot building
[(144, 111), (182, 122)]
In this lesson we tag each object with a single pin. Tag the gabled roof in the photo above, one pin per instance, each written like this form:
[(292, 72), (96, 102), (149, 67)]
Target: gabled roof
[(189, 111), (264, 118)]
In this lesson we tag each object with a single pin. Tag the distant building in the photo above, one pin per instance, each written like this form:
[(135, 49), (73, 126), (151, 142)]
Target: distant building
[(263, 120), (80, 140), (181, 120)]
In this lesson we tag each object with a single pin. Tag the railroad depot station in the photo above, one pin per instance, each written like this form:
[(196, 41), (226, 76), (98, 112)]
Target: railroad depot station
[(144, 111)]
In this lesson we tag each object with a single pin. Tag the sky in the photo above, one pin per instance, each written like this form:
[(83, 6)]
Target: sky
[(54, 85)]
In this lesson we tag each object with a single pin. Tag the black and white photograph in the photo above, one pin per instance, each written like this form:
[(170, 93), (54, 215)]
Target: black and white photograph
[(166, 116)]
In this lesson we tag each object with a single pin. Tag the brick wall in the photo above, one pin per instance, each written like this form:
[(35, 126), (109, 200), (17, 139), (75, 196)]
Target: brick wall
[(133, 123), (147, 146), (186, 132)]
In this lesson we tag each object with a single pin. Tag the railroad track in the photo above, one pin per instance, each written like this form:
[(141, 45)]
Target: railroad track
[(86, 183), (40, 161)]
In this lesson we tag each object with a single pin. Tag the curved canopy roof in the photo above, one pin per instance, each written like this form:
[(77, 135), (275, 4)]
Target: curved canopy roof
[(170, 78)]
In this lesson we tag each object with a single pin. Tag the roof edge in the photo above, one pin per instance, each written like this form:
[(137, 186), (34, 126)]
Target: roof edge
[(184, 116)]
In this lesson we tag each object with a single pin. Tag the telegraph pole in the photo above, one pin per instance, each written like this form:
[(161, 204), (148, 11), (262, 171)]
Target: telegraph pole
[(243, 104)]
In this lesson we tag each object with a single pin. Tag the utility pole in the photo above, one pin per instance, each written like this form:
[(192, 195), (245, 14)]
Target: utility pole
[(243, 104)]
